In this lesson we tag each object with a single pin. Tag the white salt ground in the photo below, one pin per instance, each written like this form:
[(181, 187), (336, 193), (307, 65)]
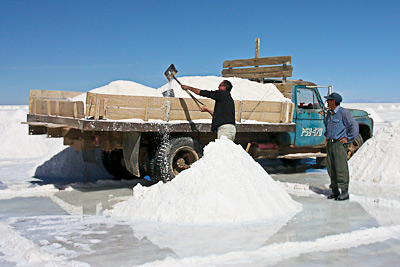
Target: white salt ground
[(15, 141), (16, 249), (225, 186), (24, 252), (377, 161)]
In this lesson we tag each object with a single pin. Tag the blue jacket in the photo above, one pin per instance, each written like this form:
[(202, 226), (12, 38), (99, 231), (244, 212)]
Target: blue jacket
[(339, 124)]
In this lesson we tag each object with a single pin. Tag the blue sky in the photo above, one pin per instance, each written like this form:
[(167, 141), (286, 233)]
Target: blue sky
[(80, 45)]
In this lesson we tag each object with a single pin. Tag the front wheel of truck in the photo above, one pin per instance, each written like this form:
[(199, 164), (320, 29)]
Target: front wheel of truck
[(174, 156), (354, 146)]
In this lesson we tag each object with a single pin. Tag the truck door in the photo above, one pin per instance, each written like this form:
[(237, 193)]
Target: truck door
[(309, 117)]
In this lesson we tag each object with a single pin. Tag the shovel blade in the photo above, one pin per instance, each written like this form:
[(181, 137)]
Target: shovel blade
[(170, 72)]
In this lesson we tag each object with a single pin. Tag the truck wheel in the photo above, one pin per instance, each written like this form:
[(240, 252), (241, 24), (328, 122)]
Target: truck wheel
[(321, 161), (354, 146), (114, 164), (174, 156)]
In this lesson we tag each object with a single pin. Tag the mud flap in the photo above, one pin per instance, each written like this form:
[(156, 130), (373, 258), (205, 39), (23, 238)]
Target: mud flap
[(131, 144), (89, 155)]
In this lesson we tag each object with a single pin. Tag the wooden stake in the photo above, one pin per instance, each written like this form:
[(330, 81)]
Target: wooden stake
[(257, 47), (258, 54), (248, 147)]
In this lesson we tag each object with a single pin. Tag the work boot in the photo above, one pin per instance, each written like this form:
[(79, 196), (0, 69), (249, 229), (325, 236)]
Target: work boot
[(335, 193), (343, 196)]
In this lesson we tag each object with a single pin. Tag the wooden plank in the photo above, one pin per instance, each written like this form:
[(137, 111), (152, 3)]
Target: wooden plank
[(40, 107), (66, 108), (261, 116), (48, 125), (97, 108), (288, 95), (257, 48), (119, 100), (48, 107), (105, 108), (283, 111), (57, 108), (189, 104), (239, 114), (261, 106), (284, 88), (31, 103), (89, 103), (53, 94), (261, 75), (188, 115), (157, 114), (146, 118), (257, 70), (75, 110), (123, 114), (257, 61)]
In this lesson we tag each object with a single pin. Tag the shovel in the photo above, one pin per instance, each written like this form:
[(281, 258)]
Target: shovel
[(170, 74)]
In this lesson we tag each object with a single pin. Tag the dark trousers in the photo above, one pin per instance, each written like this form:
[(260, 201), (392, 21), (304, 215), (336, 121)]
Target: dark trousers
[(338, 169)]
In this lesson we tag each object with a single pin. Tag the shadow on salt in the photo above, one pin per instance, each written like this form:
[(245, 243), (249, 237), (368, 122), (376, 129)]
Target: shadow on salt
[(67, 168)]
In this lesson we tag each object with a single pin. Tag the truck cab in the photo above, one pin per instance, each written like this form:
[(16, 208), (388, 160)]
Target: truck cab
[(309, 116)]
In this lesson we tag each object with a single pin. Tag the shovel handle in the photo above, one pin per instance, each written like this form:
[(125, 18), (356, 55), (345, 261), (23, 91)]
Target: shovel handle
[(198, 102), (177, 80)]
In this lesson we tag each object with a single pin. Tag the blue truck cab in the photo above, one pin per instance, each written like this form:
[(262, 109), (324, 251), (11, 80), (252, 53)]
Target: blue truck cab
[(309, 116)]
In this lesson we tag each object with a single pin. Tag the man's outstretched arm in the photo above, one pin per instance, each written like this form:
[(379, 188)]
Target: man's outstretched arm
[(205, 109), (194, 90)]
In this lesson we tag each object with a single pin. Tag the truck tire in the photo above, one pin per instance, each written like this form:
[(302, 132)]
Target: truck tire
[(174, 156), (354, 146), (321, 161), (114, 164)]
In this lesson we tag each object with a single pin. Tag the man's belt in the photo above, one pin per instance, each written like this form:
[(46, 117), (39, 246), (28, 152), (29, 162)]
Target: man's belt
[(330, 140)]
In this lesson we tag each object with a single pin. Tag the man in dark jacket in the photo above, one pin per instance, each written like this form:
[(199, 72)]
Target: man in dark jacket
[(223, 116), (341, 129)]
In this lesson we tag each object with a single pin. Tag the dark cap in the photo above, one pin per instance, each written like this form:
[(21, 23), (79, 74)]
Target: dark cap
[(334, 96)]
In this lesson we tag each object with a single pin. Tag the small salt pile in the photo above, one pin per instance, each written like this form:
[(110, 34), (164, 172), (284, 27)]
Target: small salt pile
[(377, 161), (225, 186)]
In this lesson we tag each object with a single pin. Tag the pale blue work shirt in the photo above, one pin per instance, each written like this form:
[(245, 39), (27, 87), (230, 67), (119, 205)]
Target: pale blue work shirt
[(339, 124)]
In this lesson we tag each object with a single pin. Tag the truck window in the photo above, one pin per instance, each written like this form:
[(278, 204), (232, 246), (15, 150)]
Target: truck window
[(307, 99)]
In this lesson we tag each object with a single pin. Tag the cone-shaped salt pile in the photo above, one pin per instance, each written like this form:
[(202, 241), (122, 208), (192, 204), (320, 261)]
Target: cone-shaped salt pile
[(378, 160), (225, 186)]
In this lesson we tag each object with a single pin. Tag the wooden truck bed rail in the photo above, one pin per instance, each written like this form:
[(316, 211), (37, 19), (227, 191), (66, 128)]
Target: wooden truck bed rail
[(119, 107), (122, 107)]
